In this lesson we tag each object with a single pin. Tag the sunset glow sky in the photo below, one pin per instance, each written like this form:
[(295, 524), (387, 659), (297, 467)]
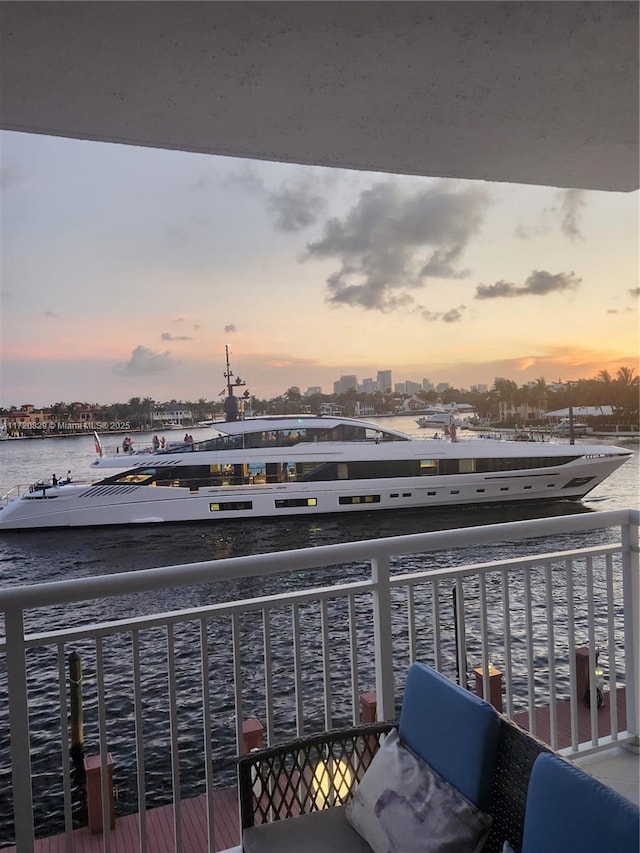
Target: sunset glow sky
[(126, 270)]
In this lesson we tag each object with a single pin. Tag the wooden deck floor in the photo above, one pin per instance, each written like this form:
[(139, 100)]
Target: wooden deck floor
[(543, 720), (125, 836)]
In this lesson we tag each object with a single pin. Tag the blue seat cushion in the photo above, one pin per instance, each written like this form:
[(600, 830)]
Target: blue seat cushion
[(569, 810), (453, 730)]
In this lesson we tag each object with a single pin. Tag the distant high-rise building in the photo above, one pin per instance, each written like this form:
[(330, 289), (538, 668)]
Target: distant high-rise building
[(345, 383), (384, 381), (369, 386), (412, 387), (480, 389), (399, 388), (426, 385), (442, 386), (313, 389)]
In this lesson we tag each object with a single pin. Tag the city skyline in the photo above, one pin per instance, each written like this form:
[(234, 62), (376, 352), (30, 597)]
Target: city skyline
[(405, 388), (126, 271)]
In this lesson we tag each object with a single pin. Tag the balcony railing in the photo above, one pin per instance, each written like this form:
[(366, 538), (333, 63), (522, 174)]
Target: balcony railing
[(166, 692)]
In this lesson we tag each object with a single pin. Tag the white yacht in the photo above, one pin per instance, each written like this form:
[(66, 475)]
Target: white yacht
[(271, 467)]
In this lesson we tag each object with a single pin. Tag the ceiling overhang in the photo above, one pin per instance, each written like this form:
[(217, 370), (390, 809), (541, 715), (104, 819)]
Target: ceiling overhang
[(527, 92)]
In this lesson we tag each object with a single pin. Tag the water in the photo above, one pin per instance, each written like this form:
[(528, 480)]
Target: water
[(42, 555), (57, 555)]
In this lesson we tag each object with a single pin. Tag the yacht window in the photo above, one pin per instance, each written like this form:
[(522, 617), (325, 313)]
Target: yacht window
[(221, 442), (428, 467), (578, 481), (139, 475), (466, 466), (230, 505), (370, 470), (359, 499), (291, 502)]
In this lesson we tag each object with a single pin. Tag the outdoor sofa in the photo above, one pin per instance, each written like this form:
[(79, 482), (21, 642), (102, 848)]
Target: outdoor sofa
[(325, 794)]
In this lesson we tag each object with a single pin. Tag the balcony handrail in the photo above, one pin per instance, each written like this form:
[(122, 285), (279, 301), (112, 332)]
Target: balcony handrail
[(312, 594), (377, 555), (27, 596)]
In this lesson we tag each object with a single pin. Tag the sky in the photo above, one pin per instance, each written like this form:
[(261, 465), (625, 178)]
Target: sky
[(125, 272)]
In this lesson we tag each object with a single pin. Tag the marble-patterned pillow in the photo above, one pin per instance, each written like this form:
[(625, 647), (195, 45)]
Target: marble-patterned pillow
[(403, 806)]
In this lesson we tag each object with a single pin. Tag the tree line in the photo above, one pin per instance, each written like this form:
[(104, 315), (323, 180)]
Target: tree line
[(505, 401)]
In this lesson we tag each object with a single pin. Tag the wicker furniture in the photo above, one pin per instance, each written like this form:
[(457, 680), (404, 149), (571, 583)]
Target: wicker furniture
[(452, 730), (270, 789), (538, 801)]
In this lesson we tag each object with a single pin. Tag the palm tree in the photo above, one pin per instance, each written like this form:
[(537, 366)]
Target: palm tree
[(625, 376), (626, 387), (146, 406), (506, 390)]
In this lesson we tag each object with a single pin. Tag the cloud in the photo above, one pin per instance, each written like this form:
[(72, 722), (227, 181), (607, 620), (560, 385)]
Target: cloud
[(246, 178), (439, 264), (571, 203), (567, 207), (538, 283), (144, 362), (296, 205), (454, 315), (392, 241), (167, 336), (230, 328)]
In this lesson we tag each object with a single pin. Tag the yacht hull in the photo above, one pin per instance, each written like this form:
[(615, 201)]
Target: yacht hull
[(87, 505)]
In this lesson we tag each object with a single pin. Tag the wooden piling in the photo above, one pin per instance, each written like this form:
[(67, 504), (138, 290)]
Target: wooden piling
[(75, 703)]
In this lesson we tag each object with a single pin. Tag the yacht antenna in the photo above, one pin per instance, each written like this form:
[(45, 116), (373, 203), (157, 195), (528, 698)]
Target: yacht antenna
[(239, 383), (231, 403)]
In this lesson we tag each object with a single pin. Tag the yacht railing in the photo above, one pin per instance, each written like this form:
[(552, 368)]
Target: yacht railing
[(166, 692), (14, 493)]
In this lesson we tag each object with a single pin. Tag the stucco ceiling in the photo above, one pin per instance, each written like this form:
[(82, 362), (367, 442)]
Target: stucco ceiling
[(530, 92)]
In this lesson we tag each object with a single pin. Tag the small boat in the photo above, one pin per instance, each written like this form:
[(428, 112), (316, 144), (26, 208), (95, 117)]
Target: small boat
[(563, 427), (438, 418)]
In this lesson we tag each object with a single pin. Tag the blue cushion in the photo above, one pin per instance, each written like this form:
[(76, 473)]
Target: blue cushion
[(569, 810), (453, 730)]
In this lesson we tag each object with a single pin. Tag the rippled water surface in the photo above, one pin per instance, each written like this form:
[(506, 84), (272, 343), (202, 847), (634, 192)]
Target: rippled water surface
[(27, 558)]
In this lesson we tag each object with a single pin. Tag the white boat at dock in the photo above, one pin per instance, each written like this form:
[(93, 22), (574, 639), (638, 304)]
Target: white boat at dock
[(439, 416), (564, 427)]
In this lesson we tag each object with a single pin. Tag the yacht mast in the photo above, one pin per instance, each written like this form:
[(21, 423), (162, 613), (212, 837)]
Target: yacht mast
[(230, 406)]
